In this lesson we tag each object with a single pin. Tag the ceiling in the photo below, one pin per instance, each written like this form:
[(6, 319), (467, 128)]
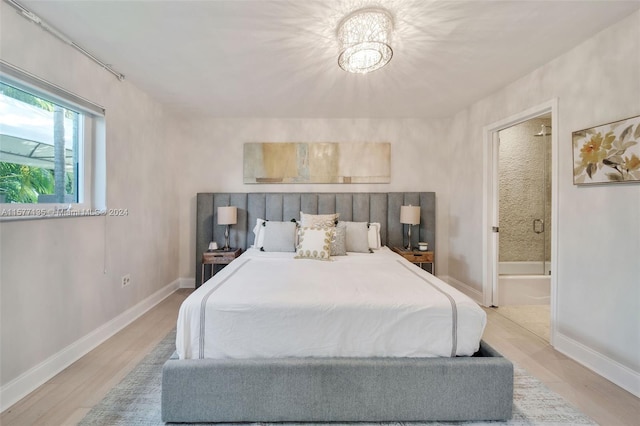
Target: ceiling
[(278, 58)]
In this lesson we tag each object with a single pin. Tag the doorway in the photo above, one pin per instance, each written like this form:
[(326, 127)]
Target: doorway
[(520, 208), (524, 214)]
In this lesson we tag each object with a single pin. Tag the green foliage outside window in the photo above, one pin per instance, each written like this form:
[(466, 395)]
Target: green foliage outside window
[(23, 184)]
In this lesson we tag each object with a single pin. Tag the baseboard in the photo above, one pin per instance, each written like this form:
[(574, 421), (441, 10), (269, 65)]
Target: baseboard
[(187, 282), (473, 293), (611, 370), (36, 376)]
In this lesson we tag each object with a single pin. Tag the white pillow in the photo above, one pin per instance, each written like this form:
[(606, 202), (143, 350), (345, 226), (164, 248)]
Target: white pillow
[(374, 235), (258, 231), (314, 243)]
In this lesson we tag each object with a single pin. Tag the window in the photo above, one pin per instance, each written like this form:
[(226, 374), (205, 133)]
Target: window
[(51, 149)]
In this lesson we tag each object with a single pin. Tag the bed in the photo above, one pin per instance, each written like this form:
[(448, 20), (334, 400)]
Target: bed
[(364, 337)]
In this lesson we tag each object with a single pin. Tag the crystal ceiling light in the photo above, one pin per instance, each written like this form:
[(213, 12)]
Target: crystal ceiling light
[(365, 37)]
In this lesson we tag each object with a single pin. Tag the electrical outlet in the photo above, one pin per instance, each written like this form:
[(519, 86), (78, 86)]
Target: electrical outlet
[(126, 280)]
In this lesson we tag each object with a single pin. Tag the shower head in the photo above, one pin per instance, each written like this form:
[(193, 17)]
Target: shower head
[(543, 131)]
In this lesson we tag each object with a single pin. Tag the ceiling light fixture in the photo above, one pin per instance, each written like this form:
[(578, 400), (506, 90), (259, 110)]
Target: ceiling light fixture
[(365, 38)]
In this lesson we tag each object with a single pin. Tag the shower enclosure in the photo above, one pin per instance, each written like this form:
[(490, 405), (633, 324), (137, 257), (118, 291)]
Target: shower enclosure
[(525, 212)]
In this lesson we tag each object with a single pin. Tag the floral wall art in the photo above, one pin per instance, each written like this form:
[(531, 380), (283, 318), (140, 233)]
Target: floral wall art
[(607, 153)]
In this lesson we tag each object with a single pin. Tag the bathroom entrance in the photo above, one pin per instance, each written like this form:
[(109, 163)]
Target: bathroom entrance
[(520, 212), (524, 199)]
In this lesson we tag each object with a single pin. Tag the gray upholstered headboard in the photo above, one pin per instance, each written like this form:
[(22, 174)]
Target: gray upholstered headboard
[(382, 207)]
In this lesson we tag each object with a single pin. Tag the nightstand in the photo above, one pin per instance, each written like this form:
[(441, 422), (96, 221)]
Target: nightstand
[(218, 257), (416, 256)]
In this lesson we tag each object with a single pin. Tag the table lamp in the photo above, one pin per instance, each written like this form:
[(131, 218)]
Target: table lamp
[(409, 215), (227, 216)]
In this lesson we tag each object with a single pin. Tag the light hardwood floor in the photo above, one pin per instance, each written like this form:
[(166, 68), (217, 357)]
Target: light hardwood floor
[(65, 399), (604, 402), (68, 397)]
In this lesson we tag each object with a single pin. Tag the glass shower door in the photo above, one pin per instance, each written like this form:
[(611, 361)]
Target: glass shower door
[(524, 194)]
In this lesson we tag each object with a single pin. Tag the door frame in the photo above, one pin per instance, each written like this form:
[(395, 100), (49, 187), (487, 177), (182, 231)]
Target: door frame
[(490, 203)]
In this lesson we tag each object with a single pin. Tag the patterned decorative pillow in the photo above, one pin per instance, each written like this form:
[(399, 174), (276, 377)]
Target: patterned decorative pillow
[(279, 236), (318, 220), (314, 243), (339, 242)]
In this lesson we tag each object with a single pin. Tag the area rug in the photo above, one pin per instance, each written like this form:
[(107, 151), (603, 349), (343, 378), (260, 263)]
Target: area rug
[(135, 401)]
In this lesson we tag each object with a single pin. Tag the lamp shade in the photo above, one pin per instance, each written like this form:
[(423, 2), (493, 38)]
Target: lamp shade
[(227, 215), (410, 214)]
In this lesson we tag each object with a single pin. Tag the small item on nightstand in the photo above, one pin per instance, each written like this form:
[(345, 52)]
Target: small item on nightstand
[(213, 246), (423, 246)]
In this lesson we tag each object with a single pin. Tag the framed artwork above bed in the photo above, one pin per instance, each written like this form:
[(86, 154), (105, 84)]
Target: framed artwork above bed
[(317, 162)]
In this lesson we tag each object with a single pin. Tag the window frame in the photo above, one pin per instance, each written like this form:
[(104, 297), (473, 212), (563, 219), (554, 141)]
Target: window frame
[(91, 176)]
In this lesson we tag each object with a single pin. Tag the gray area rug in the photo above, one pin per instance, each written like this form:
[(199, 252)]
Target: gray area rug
[(136, 399)]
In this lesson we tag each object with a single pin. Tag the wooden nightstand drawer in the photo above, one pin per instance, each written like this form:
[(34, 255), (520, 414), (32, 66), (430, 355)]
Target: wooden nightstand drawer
[(416, 256), (218, 257), (419, 257)]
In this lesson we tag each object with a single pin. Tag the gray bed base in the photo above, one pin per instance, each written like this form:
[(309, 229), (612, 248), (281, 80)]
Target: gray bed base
[(338, 390)]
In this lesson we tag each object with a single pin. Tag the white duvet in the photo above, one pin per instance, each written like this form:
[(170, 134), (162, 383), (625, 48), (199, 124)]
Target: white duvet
[(270, 305)]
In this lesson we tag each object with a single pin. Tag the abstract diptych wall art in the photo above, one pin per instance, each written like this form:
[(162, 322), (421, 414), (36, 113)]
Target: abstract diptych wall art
[(317, 162)]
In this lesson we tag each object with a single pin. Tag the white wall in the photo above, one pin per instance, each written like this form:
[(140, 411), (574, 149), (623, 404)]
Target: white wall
[(212, 151), (60, 278), (598, 267)]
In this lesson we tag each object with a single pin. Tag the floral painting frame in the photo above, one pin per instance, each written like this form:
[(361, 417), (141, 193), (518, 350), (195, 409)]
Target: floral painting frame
[(609, 153)]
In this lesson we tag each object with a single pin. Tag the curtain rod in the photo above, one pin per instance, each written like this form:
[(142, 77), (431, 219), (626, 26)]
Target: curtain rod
[(27, 14)]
